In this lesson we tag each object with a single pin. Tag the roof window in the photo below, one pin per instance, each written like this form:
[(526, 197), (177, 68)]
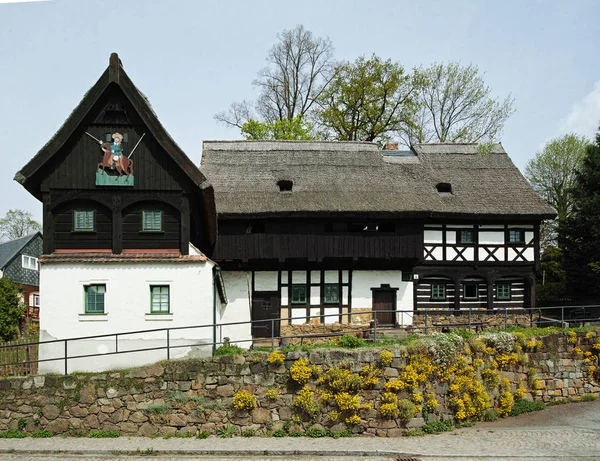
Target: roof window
[(444, 188), (285, 185)]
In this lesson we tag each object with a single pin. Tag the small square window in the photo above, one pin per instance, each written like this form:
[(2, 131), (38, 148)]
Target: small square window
[(470, 291), (407, 276), (298, 294), (503, 291), (438, 291), (516, 236), (83, 220), (152, 221), (331, 293), (29, 262), (465, 236), (159, 299), (36, 300), (94, 299)]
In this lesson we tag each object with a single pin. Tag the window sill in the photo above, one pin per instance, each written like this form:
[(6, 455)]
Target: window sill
[(158, 317), (93, 317)]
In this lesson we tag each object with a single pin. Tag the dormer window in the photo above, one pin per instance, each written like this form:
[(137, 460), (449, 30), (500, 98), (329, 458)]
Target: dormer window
[(285, 185), (444, 188)]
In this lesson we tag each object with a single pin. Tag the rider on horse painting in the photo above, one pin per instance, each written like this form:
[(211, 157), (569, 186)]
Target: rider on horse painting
[(116, 148)]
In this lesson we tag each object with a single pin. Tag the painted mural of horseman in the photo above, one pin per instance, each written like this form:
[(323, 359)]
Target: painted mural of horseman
[(113, 157)]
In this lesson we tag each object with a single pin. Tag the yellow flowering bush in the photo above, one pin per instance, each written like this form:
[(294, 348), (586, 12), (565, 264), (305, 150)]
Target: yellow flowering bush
[(478, 363), (596, 346), (306, 401), (276, 357), (272, 394), (301, 371), (370, 376), (340, 379), (352, 420), (490, 377), (467, 398), (505, 403), (244, 400), (385, 357), (417, 398), (334, 415), (431, 403), (345, 401), (572, 337), (590, 334), (388, 410), (504, 360)]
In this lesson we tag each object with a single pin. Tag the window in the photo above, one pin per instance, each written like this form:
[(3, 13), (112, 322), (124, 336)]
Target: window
[(152, 221), (285, 185), (407, 276), (331, 293), (298, 294), (36, 300), (83, 220), (444, 187), (438, 291), (465, 236), (503, 291), (159, 299), (516, 236), (29, 262), (470, 291), (94, 299)]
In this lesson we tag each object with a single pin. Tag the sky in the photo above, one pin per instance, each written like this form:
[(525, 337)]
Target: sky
[(193, 58)]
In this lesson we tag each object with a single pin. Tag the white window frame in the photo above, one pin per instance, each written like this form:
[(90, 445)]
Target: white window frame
[(36, 296), (29, 262)]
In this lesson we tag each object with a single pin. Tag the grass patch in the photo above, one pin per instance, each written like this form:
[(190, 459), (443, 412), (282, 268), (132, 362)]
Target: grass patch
[(12, 434), (202, 435), (437, 427), (526, 406), (229, 349), (588, 398), (104, 434), (226, 432), (413, 433), (180, 397), (157, 408), (41, 434)]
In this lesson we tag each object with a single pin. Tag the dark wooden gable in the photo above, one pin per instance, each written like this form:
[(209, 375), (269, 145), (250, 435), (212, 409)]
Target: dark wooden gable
[(66, 170)]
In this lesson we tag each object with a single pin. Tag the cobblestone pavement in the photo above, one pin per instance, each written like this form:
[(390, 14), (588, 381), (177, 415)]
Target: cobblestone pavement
[(566, 432)]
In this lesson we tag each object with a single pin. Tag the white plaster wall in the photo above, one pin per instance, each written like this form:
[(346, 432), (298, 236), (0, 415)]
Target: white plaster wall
[(431, 236), (495, 238), (238, 285), (127, 305), (362, 296), (266, 281)]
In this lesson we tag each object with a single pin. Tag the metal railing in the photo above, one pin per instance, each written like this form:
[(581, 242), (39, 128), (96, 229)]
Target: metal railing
[(562, 316)]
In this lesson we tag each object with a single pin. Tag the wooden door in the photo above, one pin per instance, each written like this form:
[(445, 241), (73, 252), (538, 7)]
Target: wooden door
[(384, 305), (265, 307)]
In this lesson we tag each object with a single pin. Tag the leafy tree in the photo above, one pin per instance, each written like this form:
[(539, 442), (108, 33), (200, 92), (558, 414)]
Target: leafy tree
[(16, 224), (11, 309), (455, 105), (299, 68), (295, 129), (579, 234), (550, 287), (552, 171), (367, 100)]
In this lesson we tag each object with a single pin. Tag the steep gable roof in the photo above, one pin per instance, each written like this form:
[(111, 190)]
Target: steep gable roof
[(9, 250), (115, 74), (358, 178)]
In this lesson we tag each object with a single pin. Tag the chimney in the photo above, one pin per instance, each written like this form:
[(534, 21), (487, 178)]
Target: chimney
[(391, 146)]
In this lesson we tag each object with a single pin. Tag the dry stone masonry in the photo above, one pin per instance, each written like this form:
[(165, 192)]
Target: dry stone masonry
[(297, 391)]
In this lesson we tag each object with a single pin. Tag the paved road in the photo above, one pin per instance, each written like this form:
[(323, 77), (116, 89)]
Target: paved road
[(566, 432)]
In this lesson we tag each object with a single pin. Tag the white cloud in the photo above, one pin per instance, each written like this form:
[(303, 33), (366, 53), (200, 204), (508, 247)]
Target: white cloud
[(584, 116)]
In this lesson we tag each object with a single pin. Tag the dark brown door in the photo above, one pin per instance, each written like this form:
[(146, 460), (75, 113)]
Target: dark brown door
[(384, 305), (265, 308)]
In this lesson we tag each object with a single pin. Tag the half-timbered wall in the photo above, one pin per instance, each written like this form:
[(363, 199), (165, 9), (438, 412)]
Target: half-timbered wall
[(491, 243)]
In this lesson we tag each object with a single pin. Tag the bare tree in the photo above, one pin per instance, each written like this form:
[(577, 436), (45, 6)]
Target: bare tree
[(455, 105), (299, 68), (16, 224)]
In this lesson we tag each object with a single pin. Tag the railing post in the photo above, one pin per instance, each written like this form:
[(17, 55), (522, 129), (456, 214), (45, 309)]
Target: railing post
[(505, 318), (374, 326), (272, 333), (116, 343), (426, 318), (470, 309), (168, 351), (562, 316), (66, 340)]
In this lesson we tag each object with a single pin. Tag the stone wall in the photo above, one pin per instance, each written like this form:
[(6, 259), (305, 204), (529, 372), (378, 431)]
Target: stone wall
[(482, 320), (184, 397)]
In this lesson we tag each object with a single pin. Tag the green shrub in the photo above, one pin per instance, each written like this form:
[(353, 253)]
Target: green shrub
[(12, 434), (525, 406), (435, 427), (588, 397), (226, 432), (41, 434), (202, 435), (157, 408), (406, 410), (490, 414), (351, 342), (104, 434), (229, 349), (248, 433), (316, 433), (279, 433)]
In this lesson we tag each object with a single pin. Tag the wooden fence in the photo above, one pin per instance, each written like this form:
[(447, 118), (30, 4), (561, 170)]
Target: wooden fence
[(19, 352)]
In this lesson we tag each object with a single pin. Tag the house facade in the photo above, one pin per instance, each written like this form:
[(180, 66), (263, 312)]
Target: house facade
[(349, 232), (128, 223), (19, 261)]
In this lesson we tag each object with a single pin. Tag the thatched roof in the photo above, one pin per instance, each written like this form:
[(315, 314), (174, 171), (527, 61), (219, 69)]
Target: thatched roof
[(359, 178)]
